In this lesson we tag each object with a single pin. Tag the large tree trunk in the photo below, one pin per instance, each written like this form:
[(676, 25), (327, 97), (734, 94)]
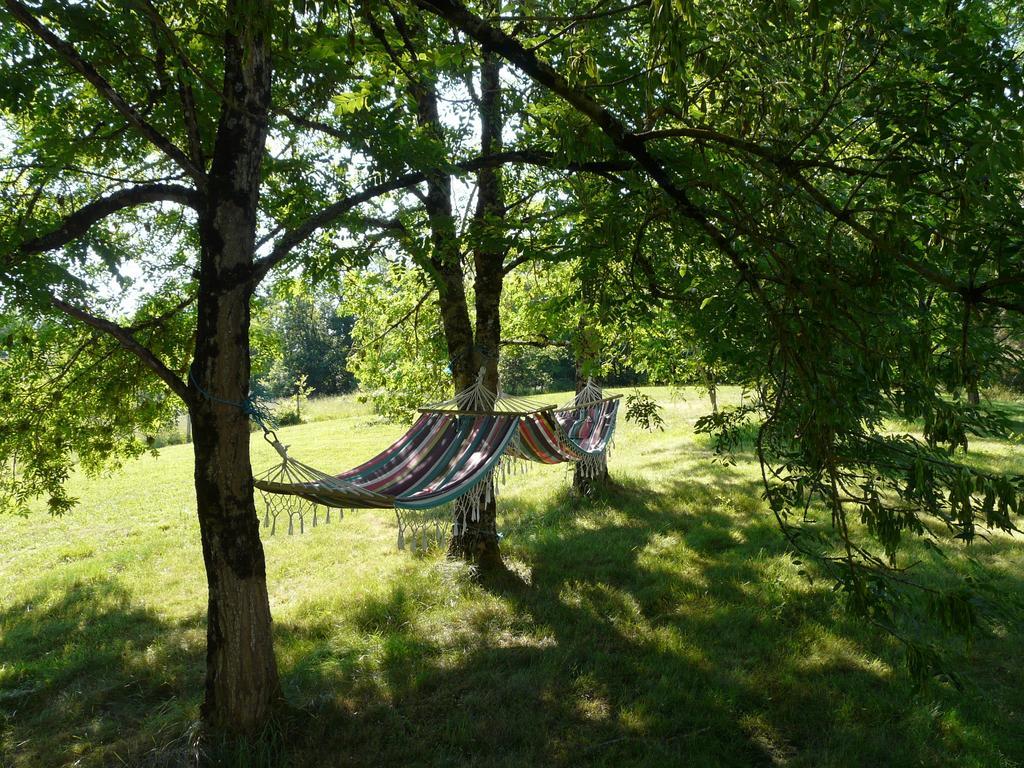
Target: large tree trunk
[(241, 673), (478, 539), (242, 684)]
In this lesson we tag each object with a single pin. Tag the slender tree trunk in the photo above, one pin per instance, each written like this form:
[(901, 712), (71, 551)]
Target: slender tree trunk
[(466, 351), (968, 363), (587, 351), (445, 256), (242, 684), (489, 220), (478, 542), (973, 393), (478, 539)]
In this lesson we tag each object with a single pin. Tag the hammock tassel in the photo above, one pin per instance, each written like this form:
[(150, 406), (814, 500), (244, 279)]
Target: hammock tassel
[(422, 530)]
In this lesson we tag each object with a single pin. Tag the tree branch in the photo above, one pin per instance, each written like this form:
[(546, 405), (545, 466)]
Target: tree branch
[(381, 336), (540, 343), (706, 135), (511, 266), (127, 340), (188, 105), (847, 216), (311, 124), (185, 94), (595, 14), (159, 320), (526, 61), (325, 217), (634, 144), (67, 52), (1007, 304), (78, 223)]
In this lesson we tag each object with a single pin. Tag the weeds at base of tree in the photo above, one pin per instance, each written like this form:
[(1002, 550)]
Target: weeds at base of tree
[(199, 748)]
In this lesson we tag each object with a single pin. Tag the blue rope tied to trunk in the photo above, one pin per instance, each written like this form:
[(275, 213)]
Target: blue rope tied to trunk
[(257, 411)]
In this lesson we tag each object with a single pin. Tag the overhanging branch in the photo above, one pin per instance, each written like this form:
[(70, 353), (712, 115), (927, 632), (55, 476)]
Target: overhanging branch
[(127, 340), (400, 321), (625, 141), (634, 145)]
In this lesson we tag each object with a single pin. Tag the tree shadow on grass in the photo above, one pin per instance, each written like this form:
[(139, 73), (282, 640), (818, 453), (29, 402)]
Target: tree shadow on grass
[(81, 670), (652, 626), (655, 627)]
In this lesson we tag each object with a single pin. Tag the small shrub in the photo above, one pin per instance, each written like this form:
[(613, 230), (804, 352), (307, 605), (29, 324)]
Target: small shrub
[(288, 418), (165, 438)]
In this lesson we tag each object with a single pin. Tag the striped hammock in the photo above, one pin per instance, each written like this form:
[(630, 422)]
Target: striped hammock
[(451, 452), (579, 432)]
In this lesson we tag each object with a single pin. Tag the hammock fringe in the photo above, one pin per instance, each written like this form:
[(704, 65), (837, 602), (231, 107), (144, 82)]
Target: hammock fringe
[(421, 531)]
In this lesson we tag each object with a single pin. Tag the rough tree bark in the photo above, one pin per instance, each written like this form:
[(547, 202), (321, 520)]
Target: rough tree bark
[(242, 684)]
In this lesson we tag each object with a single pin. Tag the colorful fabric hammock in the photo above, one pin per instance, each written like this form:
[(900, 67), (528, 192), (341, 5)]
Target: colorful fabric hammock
[(589, 429), (452, 456), (450, 453), (566, 435), (542, 439), (579, 432)]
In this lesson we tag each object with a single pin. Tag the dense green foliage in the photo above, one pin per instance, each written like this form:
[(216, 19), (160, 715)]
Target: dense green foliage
[(828, 201), (68, 396), (820, 202), (307, 339)]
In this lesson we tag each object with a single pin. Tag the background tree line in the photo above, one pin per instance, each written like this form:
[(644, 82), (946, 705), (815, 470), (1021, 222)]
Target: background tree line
[(299, 336)]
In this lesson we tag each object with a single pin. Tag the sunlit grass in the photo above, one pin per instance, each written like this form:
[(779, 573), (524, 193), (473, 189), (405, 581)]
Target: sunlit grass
[(662, 623)]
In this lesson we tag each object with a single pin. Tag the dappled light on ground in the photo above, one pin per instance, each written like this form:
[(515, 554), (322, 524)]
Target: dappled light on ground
[(660, 623)]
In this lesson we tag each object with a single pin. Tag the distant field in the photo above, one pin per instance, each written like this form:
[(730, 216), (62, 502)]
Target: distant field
[(662, 624)]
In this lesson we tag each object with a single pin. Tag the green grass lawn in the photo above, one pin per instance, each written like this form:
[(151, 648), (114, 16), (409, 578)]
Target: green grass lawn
[(662, 624)]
